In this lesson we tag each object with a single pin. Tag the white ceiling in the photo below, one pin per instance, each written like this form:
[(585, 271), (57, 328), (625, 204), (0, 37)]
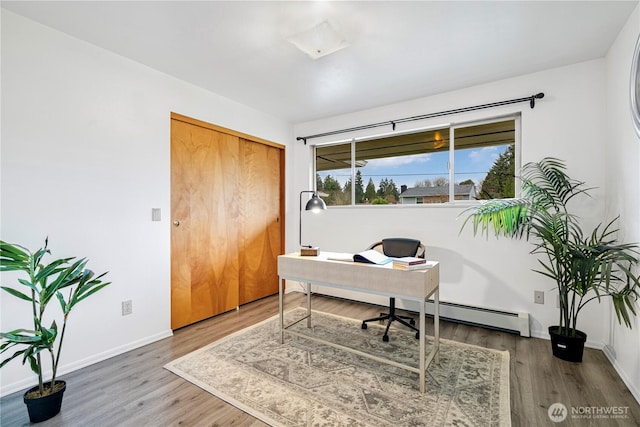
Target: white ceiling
[(397, 50)]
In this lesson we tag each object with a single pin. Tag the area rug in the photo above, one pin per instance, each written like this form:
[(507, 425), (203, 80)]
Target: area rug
[(304, 383)]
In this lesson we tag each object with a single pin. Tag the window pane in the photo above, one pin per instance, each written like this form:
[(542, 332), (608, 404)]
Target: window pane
[(333, 173), (387, 167), (485, 161)]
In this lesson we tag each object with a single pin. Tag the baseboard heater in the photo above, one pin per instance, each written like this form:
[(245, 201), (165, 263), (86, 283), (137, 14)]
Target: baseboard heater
[(508, 321), (502, 320)]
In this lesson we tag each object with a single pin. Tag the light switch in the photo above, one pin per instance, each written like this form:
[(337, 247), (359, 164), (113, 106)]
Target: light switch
[(155, 214)]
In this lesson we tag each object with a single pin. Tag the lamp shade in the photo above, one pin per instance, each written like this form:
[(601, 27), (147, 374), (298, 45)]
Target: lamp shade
[(315, 204)]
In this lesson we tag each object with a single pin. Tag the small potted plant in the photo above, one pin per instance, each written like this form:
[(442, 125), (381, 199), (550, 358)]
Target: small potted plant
[(65, 280), (585, 267)]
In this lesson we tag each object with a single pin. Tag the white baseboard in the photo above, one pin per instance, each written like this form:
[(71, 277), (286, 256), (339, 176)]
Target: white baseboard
[(608, 351), (6, 389)]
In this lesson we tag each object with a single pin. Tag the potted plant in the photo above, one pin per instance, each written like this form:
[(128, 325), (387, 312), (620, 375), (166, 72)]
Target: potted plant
[(65, 280), (585, 267)]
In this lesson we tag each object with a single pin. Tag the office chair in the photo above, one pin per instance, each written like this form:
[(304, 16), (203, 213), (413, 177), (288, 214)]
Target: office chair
[(396, 248)]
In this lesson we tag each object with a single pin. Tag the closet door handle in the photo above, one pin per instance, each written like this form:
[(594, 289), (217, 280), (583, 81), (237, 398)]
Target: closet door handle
[(176, 223)]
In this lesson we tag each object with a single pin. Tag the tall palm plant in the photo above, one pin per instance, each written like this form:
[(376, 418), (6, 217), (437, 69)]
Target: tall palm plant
[(585, 267)]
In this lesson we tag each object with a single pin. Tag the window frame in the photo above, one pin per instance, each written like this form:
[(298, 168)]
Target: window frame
[(451, 126)]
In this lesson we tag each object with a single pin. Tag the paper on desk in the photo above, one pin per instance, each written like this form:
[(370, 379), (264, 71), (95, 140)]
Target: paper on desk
[(338, 256)]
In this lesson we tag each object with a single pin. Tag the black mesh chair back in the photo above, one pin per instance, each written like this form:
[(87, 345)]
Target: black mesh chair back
[(396, 248), (400, 247)]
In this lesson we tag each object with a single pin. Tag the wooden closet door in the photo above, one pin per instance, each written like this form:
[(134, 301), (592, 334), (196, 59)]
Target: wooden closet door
[(204, 199), (260, 232)]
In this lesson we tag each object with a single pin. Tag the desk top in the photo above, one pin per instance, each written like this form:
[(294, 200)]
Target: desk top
[(380, 279)]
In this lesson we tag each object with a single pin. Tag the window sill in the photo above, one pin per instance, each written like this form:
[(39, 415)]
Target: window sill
[(456, 205)]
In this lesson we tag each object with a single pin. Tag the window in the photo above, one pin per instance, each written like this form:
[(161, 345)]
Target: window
[(437, 165)]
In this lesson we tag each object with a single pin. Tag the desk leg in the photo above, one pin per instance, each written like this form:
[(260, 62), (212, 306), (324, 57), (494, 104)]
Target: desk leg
[(423, 334), (308, 305), (281, 309), (436, 315), (436, 320)]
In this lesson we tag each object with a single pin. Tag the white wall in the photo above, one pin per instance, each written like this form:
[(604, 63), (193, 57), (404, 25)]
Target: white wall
[(85, 157), (569, 123), (623, 187)]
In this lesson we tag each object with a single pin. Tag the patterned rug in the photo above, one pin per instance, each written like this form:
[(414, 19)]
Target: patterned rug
[(303, 383)]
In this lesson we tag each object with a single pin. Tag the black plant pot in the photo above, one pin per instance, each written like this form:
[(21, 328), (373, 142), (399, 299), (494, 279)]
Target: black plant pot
[(43, 408), (565, 347)]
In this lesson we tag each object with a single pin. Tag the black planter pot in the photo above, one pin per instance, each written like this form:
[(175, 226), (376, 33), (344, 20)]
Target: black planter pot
[(565, 347), (43, 408)]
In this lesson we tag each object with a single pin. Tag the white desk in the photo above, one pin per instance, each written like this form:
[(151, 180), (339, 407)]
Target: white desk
[(418, 285)]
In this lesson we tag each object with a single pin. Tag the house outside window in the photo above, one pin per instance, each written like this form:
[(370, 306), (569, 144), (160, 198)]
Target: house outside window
[(437, 165), (440, 194)]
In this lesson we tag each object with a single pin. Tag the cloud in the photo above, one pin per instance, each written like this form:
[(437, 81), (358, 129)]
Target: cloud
[(485, 155), (393, 162)]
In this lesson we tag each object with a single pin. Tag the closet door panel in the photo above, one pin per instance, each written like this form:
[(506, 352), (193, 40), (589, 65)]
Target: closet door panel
[(259, 220), (204, 246)]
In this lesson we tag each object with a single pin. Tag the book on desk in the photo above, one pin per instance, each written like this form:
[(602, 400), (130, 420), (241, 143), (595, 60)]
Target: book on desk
[(368, 257), (409, 260), (398, 264)]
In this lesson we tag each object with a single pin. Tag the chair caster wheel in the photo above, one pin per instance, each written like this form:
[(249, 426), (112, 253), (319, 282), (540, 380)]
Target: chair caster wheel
[(412, 322), (417, 335), (385, 338), (364, 325)]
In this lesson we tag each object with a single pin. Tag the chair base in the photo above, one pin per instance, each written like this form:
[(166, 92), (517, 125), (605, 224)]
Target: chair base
[(391, 317)]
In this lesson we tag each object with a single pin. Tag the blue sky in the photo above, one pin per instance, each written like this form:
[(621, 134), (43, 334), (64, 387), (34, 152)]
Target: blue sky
[(407, 170)]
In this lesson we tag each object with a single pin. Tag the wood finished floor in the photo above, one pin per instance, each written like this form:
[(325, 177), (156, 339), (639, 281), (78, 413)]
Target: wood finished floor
[(133, 389)]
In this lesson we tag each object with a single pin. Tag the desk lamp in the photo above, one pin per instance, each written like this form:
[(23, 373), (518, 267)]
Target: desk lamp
[(315, 204)]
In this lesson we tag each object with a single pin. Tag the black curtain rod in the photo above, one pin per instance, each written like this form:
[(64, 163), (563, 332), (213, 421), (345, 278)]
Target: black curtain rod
[(531, 99)]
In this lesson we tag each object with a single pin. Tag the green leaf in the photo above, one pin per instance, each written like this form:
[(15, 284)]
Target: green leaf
[(13, 356), (16, 293), (13, 257), (18, 335)]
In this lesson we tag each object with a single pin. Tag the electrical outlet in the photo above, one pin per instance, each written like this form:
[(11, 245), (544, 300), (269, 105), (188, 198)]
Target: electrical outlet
[(127, 307), (538, 297)]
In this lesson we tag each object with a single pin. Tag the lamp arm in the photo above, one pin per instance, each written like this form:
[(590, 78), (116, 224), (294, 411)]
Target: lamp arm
[(300, 222)]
